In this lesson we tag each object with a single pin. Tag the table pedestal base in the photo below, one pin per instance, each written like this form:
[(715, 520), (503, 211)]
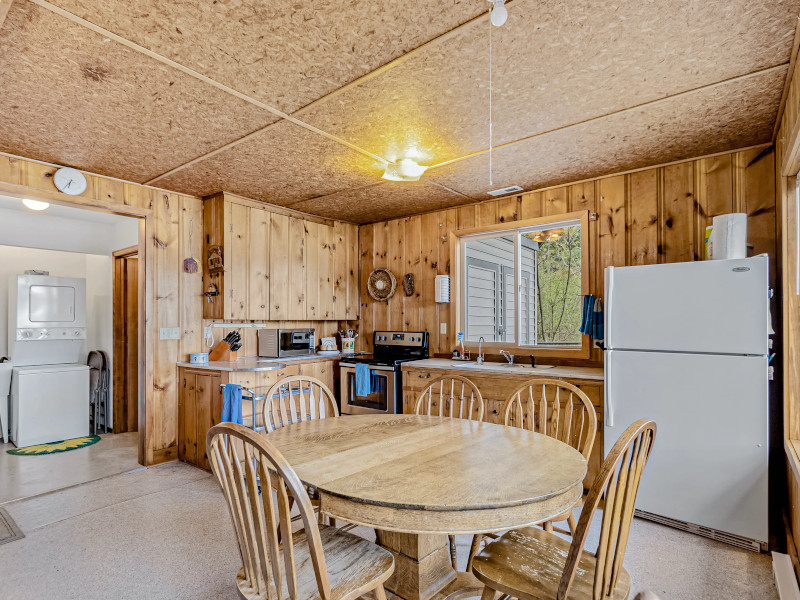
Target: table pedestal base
[(422, 564)]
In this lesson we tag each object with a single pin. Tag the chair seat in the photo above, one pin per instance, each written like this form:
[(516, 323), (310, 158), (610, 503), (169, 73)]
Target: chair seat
[(527, 564), (353, 564)]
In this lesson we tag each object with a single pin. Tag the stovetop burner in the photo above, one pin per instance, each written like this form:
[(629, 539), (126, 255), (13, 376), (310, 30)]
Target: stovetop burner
[(392, 348)]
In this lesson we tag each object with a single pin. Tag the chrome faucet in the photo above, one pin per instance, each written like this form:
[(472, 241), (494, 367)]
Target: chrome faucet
[(509, 357), (479, 360)]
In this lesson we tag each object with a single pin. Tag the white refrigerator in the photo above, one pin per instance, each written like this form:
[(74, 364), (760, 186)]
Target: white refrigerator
[(687, 346)]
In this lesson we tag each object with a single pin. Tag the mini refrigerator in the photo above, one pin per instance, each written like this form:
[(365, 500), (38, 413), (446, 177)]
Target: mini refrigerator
[(687, 346)]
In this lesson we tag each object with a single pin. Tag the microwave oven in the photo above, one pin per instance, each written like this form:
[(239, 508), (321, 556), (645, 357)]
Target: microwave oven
[(278, 343)]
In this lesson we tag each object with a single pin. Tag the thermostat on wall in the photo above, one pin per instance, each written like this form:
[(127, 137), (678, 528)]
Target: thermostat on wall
[(442, 288)]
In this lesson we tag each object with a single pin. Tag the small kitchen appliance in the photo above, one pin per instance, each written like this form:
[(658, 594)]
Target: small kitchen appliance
[(280, 343), (391, 350)]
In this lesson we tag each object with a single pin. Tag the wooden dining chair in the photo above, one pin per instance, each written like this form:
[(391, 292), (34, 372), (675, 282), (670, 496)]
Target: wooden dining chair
[(451, 396), (557, 409), (534, 564), (456, 397), (318, 562), (297, 398)]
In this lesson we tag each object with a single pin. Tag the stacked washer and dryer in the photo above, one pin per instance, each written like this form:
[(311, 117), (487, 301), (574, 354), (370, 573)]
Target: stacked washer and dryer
[(49, 388)]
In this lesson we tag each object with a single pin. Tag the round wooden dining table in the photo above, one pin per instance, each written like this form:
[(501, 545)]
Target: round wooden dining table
[(415, 479)]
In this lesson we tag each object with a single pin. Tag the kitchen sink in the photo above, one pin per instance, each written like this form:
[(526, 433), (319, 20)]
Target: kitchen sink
[(474, 365)]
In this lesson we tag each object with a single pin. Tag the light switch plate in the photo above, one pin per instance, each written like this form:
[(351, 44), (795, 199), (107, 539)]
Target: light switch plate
[(443, 328), (169, 333)]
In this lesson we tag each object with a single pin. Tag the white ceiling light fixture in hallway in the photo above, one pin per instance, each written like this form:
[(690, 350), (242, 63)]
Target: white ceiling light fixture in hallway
[(35, 204)]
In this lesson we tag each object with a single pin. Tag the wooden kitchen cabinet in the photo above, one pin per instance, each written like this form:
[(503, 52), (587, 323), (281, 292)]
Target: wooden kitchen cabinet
[(496, 388), (200, 399), (199, 409), (277, 266)]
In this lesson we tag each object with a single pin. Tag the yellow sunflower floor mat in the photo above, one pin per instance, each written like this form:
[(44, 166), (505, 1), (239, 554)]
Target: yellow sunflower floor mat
[(55, 447)]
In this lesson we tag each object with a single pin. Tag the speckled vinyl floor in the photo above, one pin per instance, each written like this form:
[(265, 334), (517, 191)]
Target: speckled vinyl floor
[(165, 533)]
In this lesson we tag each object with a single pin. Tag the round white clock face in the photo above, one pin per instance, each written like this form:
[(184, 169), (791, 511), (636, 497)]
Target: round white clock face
[(70, 181)]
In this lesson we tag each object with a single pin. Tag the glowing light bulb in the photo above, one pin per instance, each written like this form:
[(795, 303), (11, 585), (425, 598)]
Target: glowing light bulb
[(35, 204), (499, 13), (406, 169)]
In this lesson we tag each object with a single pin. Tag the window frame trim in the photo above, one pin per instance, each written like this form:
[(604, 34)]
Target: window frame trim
[(457, 239)]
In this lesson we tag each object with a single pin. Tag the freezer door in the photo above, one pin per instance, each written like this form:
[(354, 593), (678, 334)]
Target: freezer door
[(709, 460), (714, 306)]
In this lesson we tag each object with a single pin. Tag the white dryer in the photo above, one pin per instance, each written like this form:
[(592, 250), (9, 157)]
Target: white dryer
[(49, 403)]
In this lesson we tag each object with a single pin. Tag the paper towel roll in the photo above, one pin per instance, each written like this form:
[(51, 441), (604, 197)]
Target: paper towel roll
[(729, 236)]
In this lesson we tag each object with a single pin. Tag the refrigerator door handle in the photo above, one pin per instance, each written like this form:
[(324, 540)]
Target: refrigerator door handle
[(608, 408)]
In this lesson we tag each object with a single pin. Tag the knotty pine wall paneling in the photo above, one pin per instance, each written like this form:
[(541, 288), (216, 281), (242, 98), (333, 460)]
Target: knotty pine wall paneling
[(650, 216)]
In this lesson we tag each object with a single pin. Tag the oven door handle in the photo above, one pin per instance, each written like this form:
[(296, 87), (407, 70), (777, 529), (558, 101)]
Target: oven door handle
[(371, 367)]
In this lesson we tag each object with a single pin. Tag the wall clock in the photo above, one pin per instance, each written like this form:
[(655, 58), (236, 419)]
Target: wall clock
[(70, 181)]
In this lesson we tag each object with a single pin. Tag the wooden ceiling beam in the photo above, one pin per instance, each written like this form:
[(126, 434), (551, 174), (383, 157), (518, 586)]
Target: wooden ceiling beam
[(4, 6)]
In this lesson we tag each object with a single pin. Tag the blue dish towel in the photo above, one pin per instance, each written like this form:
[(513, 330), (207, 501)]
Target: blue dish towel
[(592, 317), (363, 380), (232, 404), (597, 317), (586, 317)]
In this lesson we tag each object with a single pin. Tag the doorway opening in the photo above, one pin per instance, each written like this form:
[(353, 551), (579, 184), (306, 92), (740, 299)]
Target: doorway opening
[(70, 243)]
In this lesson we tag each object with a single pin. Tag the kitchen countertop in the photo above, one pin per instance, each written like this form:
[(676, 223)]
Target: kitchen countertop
[(256, 363), (467, 367)]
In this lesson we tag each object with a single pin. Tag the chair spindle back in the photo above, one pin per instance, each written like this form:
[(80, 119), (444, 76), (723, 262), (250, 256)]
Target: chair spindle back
[(618, 481), (554, 408), (298, 398), (452, 396), (257, 485)]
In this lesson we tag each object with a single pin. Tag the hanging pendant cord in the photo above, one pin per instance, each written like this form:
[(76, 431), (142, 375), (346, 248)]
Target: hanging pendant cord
[(490, 94)]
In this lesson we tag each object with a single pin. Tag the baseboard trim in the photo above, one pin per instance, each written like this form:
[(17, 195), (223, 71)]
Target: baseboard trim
[(785, 580)]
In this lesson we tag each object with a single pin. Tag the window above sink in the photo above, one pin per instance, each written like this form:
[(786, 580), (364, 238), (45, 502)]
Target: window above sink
[(520, 286)]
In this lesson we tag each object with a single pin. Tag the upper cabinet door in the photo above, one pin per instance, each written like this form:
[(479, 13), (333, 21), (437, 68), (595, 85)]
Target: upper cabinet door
[(297, 269), (319, 272), (258, 253), (279, 267), (236, 260)]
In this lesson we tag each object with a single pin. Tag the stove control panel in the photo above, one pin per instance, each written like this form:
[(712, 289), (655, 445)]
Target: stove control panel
[(412, 339)]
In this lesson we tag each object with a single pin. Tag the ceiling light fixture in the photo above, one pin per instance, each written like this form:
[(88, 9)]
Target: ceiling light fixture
[(35, 204), (499, 12), (405, 169)]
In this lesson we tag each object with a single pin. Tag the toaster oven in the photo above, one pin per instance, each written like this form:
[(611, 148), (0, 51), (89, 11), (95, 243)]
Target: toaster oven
[(279, 343)]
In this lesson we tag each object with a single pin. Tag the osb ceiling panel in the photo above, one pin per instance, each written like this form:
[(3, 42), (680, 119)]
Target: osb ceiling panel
[(284, 164), (69, 97), (732, 115), (382, 201), (284, 52), (555, 64)]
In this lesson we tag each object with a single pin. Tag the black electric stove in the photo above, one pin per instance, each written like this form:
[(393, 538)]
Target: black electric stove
[(390, 350)]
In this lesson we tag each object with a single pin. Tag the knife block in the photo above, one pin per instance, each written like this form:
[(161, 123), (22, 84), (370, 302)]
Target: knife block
[(222, 351)]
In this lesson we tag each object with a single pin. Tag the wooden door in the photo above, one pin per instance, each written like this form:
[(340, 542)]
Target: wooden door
[(126, 341)]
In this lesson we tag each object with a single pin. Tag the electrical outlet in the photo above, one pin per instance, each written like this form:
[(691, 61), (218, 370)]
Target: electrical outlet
[(443, 328), (169, 333), (207, 332)]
